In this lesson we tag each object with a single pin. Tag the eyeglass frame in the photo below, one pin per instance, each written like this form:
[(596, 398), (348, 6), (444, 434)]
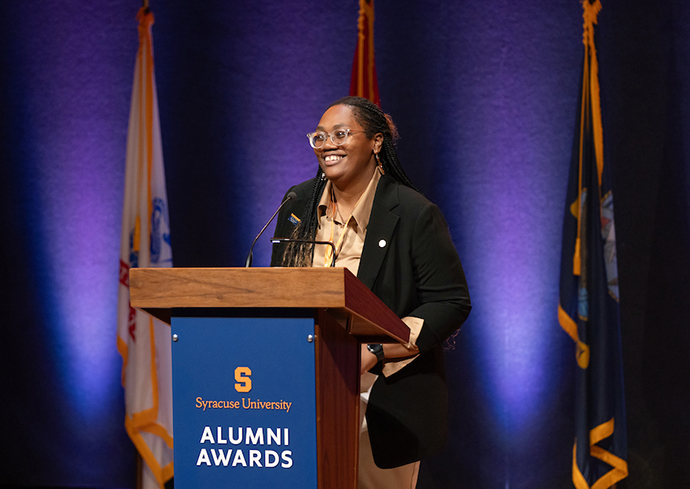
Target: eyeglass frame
[(330, 136)]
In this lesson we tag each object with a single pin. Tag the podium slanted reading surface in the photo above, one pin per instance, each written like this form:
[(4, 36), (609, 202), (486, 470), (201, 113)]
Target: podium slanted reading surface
[(265, 371)]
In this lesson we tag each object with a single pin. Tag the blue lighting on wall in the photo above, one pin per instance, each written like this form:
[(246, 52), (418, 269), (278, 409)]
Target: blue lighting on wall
[(484, 98)]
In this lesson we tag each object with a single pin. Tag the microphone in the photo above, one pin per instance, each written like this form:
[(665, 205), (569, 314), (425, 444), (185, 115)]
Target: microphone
[(297, 240), (250, 256)]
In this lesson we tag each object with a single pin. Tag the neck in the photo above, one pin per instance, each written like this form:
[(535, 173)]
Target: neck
[(347, 196)]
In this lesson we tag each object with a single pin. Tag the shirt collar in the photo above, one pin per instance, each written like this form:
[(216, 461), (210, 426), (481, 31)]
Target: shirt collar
[(362, 210)]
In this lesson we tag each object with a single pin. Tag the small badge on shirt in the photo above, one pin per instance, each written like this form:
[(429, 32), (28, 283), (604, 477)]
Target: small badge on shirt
[(294, 219)]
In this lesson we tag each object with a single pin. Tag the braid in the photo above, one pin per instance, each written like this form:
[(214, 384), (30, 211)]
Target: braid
[(300, 254), (373, 120), (391, 164)]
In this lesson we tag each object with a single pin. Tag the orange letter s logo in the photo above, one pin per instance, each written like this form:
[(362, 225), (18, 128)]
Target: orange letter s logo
[(242, 376)]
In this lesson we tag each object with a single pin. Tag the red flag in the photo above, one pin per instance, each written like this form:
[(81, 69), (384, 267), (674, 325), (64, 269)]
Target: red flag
[(363, 82)]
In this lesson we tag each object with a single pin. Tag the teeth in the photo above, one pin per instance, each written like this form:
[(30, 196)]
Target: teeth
[(332, 158)]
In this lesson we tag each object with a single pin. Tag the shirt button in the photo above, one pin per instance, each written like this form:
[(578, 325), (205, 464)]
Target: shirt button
[(382, 243)]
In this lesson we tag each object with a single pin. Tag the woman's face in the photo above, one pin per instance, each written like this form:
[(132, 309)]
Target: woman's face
[(350, 165)]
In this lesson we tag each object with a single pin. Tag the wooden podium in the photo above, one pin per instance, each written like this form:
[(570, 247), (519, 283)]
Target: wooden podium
[(265, 371)]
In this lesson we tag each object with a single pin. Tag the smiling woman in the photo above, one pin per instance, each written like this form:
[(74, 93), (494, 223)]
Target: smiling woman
[(347, 155), (398, 245)]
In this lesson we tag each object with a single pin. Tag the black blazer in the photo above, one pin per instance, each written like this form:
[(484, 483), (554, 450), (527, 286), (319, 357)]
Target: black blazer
[(416, 273)]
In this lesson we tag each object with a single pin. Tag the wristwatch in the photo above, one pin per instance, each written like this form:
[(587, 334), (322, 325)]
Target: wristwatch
[(376, 349)]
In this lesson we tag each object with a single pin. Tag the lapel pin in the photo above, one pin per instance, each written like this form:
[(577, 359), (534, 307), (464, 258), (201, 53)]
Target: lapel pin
[(294, 219), (382, 243)]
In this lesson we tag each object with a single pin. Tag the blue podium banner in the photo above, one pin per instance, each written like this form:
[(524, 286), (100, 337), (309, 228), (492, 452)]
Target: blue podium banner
[(244, 403)]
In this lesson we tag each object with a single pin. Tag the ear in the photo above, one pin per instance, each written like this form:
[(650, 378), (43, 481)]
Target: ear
[(378, 142)]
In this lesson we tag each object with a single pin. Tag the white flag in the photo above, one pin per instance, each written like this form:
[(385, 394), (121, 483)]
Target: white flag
[(144, 342)]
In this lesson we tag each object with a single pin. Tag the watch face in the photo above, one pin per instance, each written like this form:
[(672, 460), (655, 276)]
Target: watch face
[(376, 349)]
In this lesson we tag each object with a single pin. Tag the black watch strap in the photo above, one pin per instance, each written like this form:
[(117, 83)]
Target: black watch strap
[(376, 349)]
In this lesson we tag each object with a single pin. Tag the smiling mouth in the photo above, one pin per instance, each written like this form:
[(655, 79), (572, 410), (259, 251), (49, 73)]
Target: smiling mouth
[(332, 158)]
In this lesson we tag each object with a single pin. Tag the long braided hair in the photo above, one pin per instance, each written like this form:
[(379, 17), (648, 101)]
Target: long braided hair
[(373, 120)]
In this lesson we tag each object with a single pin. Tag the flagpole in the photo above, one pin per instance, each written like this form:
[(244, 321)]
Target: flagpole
[(140, 461)]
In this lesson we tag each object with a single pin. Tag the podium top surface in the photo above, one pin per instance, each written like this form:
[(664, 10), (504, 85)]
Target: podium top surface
[(335, 289)]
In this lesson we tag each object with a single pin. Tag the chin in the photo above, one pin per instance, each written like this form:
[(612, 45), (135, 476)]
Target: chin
[(331, 174)]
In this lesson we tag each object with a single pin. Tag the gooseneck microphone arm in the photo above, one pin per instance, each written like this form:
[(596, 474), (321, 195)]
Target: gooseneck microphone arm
[(311, 241), (250, 255)]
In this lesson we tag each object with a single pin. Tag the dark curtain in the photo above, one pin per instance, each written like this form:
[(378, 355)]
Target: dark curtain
[(484, 95)]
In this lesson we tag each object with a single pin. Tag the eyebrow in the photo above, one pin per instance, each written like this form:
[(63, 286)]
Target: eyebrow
[(337, 126)]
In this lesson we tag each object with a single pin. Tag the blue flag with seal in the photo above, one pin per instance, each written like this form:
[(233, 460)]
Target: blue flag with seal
[(589, 297)]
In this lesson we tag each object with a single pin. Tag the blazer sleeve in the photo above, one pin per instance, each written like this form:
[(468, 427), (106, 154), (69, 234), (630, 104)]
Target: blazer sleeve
[(443, 295)]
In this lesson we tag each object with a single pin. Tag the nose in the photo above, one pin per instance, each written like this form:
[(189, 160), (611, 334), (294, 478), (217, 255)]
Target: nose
[(328, 144)]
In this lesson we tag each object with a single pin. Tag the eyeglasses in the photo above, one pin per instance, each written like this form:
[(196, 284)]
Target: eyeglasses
[(338, 137)]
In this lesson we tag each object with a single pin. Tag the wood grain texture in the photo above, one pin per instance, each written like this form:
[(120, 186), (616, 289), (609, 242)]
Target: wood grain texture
[(366, 308), (337, 404), (333, 288)]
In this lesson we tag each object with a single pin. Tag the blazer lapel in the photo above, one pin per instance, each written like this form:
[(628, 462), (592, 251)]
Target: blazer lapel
[(381, 227)]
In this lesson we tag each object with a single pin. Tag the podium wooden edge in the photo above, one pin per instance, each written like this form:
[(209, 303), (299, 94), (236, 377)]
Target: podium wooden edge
[(337, 404), (158, 290)]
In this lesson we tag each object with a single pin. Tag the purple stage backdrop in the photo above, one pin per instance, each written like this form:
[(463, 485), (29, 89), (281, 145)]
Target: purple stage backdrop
[(485, 98)]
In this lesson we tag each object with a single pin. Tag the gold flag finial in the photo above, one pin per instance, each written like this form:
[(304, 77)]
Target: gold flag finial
[(590, 12)]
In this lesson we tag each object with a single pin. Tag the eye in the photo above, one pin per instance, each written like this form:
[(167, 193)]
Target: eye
[(319, 137), (340, 134)]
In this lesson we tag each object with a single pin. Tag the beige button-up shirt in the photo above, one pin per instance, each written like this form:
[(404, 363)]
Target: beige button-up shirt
[(348, 234)]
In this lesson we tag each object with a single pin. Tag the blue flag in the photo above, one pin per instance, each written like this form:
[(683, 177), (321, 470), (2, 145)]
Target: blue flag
[(589, 295)]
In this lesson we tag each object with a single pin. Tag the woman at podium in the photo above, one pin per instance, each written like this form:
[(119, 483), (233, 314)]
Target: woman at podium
[(397, 243)]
